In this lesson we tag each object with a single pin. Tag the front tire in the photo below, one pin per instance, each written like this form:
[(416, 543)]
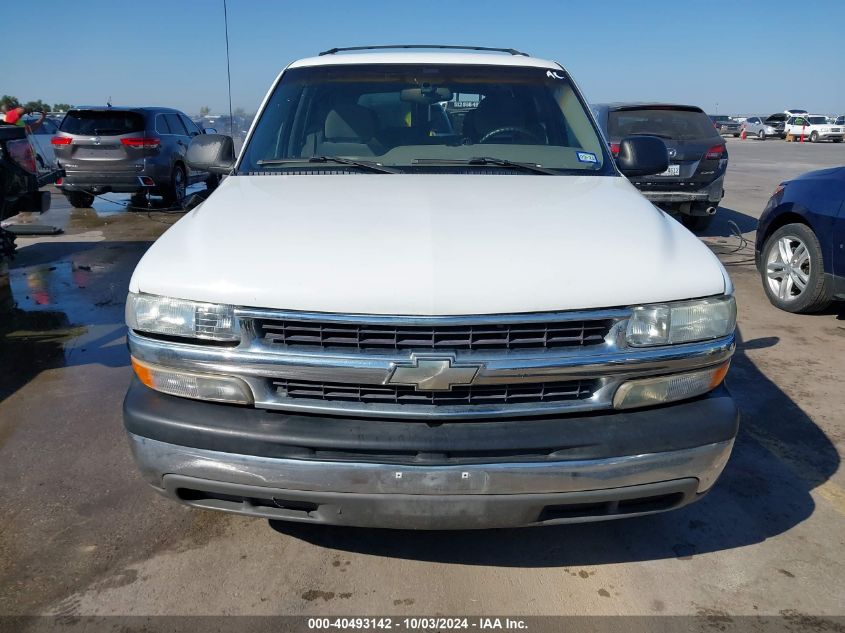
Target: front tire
[(814, 137), (761, 135), (792, 270), (80, 199), (837, 140)]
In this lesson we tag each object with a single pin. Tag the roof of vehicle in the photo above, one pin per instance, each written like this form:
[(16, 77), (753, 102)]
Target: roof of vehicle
[(485, 59), (119, 108), (644, 105)]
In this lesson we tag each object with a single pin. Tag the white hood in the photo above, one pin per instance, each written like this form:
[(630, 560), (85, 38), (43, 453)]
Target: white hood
[(428, 245)]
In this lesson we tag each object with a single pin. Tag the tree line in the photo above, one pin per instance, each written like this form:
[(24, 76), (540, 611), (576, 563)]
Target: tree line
[(35, 106)]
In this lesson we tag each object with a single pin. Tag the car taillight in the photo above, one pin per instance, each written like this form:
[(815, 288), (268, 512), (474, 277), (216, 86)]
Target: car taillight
[(21, 152), (614, 149), (144, 142), (61, 140), (715, 152)]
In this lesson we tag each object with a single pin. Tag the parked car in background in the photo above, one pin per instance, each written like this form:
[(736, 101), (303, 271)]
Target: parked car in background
[(840, 120), (725, 124), (41, 138), (20, 178), (693, 184), (764, 128), (778, 122), (126, 150), (334, 349), (799, 242), (815, 128), (795, 112)]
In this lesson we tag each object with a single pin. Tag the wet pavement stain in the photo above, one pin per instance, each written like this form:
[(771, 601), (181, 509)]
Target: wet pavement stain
[(316, 594)]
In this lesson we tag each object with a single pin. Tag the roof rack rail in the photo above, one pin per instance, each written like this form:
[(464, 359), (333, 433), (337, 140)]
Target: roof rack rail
[(510, 51)]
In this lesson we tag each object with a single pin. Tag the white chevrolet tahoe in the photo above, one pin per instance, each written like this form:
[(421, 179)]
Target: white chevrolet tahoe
[(383, 319)]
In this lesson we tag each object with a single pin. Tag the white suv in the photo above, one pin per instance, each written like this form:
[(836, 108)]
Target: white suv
[(814, 127), (381, 320)]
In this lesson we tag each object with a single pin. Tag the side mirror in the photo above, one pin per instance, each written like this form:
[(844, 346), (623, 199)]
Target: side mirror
[(214, 153), (642, 156), (209, 130)]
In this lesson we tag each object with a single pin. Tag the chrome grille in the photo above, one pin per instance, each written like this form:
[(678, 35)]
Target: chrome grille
[(458, 396), (482, 336)]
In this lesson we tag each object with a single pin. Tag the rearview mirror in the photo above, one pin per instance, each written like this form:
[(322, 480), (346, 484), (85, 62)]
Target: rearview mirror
[(642, 156), (209, 130), (214, 153)]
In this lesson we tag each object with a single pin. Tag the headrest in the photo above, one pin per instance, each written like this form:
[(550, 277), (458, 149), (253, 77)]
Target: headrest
[(499, 110), (350, 122)]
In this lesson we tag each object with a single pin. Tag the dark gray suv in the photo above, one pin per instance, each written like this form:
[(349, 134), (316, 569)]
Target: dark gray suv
[(126, 150)]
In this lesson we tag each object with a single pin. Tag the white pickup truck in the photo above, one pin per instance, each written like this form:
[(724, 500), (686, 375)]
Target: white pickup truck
[(373, 322)]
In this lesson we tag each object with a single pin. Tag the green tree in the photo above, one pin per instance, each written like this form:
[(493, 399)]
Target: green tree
[(9, 101), (37, 106), (61, 107), (204, 110)]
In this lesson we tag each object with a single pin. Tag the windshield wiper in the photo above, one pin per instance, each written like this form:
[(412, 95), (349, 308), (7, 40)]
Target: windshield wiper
[(487, 160), (363, 164)]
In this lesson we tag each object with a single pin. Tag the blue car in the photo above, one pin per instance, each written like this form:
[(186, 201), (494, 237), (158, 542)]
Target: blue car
[(800, 246)]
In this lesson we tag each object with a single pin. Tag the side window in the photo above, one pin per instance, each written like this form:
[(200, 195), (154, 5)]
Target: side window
[(189, 125), (161, 125), (175, 124)]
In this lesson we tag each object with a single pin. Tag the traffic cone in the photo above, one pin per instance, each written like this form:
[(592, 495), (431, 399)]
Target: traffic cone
[(743, 135)]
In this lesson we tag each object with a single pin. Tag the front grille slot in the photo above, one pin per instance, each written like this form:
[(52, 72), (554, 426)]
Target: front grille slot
[(504, 336), (474, 395)]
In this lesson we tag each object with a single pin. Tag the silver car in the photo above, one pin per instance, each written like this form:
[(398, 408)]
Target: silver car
[(769, 127), (126, 150)]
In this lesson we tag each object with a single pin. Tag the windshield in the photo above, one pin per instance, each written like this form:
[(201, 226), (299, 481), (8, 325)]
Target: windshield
[(682, 125), (412, 117)]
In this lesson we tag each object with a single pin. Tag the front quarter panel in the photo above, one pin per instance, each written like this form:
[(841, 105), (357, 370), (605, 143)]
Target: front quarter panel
[(818, 201)]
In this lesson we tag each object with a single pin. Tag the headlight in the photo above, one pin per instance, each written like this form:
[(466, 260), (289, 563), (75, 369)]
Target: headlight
[(177, 317), (681, 322)]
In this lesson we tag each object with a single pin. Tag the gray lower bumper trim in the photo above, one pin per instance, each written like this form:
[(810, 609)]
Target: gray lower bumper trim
[(157, 459), (431, 512)]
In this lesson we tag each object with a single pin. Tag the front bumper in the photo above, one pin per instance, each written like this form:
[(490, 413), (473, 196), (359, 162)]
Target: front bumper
[(411, 474)]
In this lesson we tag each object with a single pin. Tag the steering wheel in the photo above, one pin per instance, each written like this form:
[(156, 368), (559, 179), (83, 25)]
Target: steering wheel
[(512, 129)]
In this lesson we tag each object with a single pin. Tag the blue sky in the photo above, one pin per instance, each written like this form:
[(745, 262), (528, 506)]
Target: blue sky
[(172, 52)]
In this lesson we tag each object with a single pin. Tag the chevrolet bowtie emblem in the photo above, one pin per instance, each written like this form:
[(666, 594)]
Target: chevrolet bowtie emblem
[(432, 373)]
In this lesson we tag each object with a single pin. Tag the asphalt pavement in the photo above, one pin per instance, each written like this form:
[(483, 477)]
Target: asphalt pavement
[(81, 534)]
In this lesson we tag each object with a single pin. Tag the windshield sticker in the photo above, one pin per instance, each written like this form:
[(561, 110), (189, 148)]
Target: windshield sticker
[(587, 157), (553, 75)]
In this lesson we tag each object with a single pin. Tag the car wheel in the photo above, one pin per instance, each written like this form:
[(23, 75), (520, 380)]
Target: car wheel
[(792, 269), (837, 140), (736, 135), (174, 195), (80, 199), (761, 135), (697, 223), (814, 137)]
